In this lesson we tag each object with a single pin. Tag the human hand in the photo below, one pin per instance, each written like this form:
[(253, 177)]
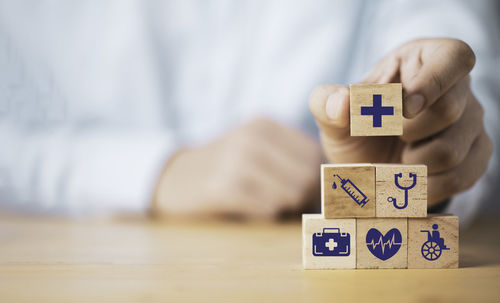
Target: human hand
[(443, 125), (259, 170)]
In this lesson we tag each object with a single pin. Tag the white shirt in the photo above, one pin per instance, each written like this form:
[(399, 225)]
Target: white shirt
[(95, 95)]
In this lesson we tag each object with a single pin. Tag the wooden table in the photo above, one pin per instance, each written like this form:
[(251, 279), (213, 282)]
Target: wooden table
[(55, 260)]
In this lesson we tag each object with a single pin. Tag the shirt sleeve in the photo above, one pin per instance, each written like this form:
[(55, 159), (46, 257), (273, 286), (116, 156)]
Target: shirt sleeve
[(80, 173), (386, 25)]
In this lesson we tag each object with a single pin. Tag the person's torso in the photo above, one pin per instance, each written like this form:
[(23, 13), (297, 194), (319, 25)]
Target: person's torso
[(194, 67)]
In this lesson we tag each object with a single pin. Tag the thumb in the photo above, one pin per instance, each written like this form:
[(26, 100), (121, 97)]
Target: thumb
[(330, 106)]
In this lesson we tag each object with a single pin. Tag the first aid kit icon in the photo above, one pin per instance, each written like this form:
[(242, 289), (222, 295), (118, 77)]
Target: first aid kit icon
[(331, 243)]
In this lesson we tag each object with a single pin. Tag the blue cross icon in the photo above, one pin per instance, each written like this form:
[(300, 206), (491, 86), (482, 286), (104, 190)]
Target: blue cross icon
[(377, 110)]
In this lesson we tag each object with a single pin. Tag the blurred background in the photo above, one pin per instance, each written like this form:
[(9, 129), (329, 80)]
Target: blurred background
[(96, 96)]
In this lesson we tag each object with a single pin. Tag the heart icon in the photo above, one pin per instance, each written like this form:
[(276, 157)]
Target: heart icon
[(383, 246)]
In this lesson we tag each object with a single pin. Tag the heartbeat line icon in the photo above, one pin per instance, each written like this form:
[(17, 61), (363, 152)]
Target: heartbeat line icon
[(383, 246), (389, 243)]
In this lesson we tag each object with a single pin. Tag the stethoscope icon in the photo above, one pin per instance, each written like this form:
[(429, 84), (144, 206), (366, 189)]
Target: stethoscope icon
[(406, 189)]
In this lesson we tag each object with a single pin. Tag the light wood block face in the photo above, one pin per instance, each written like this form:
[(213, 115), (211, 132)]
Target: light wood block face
[(328, 243), (376, 109), (407, 200), (433, 242), (381, 243), (348, 190)]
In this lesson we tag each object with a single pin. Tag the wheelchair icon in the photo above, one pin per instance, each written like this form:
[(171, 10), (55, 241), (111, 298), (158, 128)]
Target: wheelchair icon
[(433, 248)]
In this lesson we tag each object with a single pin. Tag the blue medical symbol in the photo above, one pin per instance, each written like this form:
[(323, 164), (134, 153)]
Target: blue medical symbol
[(377, 110), (383, 246), (405, 188), (432, 249), (331, 243), (351, 190)]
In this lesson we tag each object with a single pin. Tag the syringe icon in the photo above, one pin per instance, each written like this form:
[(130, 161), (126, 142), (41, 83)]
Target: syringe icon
[(352, 190)]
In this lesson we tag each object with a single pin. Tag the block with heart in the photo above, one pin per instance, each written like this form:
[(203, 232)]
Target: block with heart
[(348, 190), (401, 190), (328, 243), (376, 109), (381, 243), (433, 242)]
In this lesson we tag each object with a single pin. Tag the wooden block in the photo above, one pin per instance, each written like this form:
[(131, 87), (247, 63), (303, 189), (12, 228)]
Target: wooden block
[(328, 243), (401, 190), (376, 109), (433, 242), (381, 243), (348, 190)]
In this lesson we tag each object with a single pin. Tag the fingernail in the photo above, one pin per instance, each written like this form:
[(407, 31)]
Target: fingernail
[(414, 104), (334, 105)]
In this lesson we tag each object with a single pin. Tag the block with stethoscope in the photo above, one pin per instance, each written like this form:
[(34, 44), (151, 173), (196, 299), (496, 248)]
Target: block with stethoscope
[(401, 190)]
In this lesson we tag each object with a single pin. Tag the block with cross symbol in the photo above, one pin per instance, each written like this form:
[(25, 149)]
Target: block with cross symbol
[(433, 242), (401, 190), (376, 109), (328, 243)]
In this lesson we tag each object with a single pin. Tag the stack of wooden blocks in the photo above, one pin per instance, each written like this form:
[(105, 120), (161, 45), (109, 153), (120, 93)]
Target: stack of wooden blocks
[(375, 215)]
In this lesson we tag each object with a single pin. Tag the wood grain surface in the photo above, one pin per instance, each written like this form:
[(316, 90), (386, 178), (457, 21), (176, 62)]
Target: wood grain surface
[(56, 260)]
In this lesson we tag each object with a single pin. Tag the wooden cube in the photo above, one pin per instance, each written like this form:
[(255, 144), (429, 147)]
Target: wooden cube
[(381, 243), (376, 109), (433, 242), (348, 190), (401, 190), (328, 243)]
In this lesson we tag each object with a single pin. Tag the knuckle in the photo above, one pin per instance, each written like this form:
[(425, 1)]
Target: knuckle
[(438, 81), (489, 146), (447, 155), (486, 146), (479, 109), (450, 109), (475, 112)]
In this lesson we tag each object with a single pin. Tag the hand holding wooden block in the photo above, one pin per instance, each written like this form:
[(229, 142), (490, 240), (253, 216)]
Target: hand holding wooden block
[(375, 215), (376, 109)]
